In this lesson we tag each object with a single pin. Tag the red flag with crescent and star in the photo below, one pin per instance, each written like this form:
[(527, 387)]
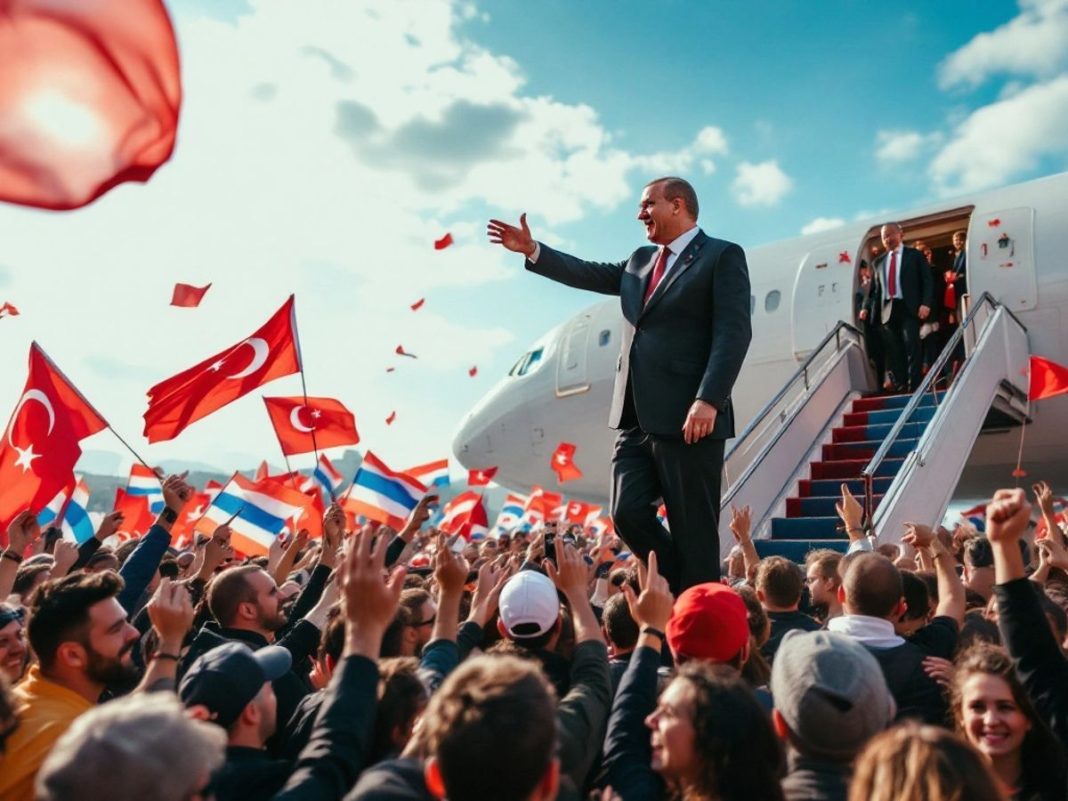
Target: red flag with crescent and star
[(271, 352), (563, 463), (307, 424), (41, 442)]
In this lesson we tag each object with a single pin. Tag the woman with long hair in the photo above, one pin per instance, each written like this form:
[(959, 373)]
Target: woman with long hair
[(994, 713)]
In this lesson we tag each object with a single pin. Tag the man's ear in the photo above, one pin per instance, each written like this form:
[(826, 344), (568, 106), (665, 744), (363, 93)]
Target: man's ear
[(901, 609), (432, 776), (779, 724), (841, 594), (549, 786), (501, 629)]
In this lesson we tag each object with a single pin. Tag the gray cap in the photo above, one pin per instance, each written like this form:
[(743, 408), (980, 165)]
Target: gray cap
[(831, 692)]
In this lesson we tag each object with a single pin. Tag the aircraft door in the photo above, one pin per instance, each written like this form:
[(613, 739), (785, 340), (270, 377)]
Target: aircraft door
[(823, 295), (1001, 257), (571, 368)]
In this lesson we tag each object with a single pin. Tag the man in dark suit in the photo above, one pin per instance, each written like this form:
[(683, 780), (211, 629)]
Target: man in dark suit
[(686, 331), (900, 300)]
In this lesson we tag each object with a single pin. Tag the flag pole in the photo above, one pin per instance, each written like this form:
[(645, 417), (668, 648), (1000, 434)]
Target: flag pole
[(84, 400), (303, 381)]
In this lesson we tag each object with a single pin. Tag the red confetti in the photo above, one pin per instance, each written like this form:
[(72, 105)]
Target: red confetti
[(843, 257), (391, 418), (994, 223), (418, 304), (390, 369), (473, 372), (400, 351), (444, 242), (7, 310)]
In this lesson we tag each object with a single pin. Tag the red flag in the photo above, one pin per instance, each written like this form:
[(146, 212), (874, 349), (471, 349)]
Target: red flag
[(89, 95), (843, 257), (444, 242), (391, 418), (540, 504), (1047, 379), (400, 351), (137, 518), (311, 518), (577, 512), (465, 515), (418, 304), (41, 443), (262, 471), (563, 463), (7, 310), (184, 527), (271, 352), (188, 296), (307, 424), (480, 478)]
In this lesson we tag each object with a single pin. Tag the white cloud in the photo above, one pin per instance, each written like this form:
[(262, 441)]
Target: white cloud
[(822, 224), (763, 184), (1004, 138), (1034, 43), (710, 141), (898, 147)]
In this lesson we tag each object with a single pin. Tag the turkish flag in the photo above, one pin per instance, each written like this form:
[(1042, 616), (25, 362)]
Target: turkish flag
[(480, 478), (311, 517), (577, 512), (184, 527), (563, 463), (89, 96), (1047, 379), (465, 515), (137, 518), (188, 296), (540, 504), (271, 352), (304, 424), (40, 445)]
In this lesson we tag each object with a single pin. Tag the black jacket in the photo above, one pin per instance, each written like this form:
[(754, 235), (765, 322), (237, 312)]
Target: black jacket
[(687, 343), (917, 284), (628, 753)]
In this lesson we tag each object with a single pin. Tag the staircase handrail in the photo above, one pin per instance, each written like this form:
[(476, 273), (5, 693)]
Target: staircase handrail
[(868, 474)]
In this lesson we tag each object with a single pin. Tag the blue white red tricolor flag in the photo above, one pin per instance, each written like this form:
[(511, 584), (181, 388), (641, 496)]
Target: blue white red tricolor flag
[(144, 481), (76, 523), (432, 474), (327, 477), (257, 511), (383, 495), (511, 513), (54, 511)]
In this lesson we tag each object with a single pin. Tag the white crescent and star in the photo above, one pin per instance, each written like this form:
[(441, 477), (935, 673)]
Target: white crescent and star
[(260, 352), (26, 455), (294, 419)]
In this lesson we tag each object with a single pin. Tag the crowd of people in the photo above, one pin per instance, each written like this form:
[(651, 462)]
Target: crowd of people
[(540, 664)]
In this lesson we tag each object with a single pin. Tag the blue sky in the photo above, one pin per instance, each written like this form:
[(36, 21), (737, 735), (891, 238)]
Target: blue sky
[(324, 145)]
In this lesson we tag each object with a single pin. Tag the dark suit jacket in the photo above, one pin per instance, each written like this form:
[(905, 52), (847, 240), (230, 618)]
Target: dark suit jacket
[(917, 285), (687, 343)]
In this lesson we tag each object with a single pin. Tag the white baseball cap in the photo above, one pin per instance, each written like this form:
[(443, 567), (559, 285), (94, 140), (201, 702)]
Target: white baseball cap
[(529, 604)]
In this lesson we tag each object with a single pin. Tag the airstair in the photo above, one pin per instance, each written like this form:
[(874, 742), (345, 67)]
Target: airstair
[(900, 455)]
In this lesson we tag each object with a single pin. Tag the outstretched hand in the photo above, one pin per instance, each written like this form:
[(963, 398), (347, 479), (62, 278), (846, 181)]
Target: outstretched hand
[(517, 240)]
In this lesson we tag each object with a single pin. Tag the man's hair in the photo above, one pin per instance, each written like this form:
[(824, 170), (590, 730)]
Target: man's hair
[(780, 580), (492, 728), (26, 575), (872, 585), (137, 747), (915, 591), (229, 590), (414, 598), (123, 551), (391, 639), (893, 224), (826, 562), (621, 627), (961, 233), (332, 641), (675, 187), (978, 552), (59, 611), (401, 695)]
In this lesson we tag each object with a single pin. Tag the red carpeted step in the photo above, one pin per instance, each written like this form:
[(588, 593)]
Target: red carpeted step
[(817, 507), (848, 450), (842, 468)]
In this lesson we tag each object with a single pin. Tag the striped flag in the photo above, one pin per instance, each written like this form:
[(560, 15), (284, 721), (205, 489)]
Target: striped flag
[(511, 513), (541, 505), (327, 477), (600, 525), (76, 523), (260, 510), (431, 474), (54, 511), (593, 514), (383, 495), (144, 481), (466, 515)]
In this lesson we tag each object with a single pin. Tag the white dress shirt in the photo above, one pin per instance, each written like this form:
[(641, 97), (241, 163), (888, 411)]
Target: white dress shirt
[(898, 295)]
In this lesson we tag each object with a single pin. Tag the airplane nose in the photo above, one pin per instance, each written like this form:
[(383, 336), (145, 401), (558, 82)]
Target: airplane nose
[(495, 432), (473, 441)]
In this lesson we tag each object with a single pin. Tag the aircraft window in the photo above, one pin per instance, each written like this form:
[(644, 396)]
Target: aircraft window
[(532, 359), (771, 302), (518, 364), (604, 338)]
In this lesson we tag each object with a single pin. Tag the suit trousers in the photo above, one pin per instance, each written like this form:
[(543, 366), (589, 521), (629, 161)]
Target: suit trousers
[(901, 340), (647, 468)]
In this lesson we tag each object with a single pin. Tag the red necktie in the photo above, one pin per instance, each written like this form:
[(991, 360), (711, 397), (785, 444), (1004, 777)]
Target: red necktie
[(891, 277), (658, 272)]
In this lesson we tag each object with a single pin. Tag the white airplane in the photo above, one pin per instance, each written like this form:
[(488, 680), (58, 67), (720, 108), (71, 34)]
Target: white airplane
[(559, 390)]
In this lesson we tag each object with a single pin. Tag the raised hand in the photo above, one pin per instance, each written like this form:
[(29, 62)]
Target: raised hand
[(1007, 515), (570, 574), (171, 613), (491, 579), (334, 522), (109, 524), (918, 535), (176, 491), (64, 555), (1043, 497), (1053, 550), (450, 569), (741, 520), (653, 604), (941, 670), (517, 240), (368, 601), (851, 513), (23, 532)]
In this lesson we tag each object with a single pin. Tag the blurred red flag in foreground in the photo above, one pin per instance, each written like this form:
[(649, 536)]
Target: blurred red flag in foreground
[(1047, 379), (89, 97)]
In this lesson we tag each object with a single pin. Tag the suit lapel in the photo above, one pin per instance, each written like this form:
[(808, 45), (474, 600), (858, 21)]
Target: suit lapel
[(681, 265)]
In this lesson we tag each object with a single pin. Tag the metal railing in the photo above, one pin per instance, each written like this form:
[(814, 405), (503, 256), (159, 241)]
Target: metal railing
[(770, 416), (985, 303)]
